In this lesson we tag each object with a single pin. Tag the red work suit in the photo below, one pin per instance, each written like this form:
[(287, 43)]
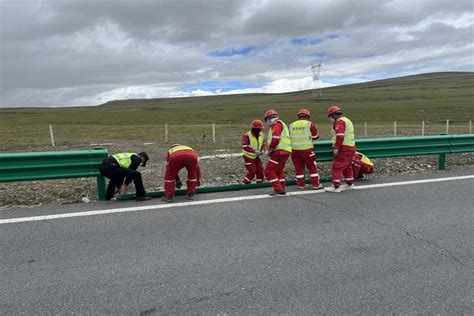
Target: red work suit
[(176, 161), (342, 163), (359, 167), (276, 159), (253, 166), (307, 157)]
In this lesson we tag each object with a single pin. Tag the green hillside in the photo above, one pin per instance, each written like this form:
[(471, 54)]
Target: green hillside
[(432, 97)]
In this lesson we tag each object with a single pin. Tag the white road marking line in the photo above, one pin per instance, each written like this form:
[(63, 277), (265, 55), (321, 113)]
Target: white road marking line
[(205, 202)]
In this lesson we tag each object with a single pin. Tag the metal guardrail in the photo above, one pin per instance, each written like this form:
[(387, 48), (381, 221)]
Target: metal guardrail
[(85, 163), (372, 148), (54, 165)]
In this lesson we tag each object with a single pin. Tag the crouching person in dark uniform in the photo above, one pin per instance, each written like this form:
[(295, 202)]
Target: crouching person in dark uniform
[(123, 166)]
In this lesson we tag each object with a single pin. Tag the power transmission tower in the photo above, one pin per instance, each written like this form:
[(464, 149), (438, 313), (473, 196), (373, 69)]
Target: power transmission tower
[(316, 69)]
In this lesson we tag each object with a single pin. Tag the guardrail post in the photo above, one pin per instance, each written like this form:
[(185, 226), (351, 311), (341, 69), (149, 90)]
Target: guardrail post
[(166, 132), (422, 128), (447, 126), (101, 188), (470, 126), (395, 129), (442, 162), (365, 129)]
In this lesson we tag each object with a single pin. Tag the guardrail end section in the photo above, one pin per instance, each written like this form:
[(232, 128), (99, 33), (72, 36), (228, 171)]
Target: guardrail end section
[(101, 188)]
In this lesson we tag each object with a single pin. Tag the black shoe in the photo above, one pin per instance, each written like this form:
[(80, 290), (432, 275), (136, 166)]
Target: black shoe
[(191, 197), (143, 198)]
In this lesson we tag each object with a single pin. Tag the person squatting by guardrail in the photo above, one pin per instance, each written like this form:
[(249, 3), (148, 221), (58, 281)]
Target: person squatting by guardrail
[(121, 169)]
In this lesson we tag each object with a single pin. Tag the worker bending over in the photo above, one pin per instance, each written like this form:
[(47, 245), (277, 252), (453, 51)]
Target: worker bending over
[(179, 157), (123, 166)]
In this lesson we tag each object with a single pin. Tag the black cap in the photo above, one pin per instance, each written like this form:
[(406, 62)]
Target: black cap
[(144, 155)]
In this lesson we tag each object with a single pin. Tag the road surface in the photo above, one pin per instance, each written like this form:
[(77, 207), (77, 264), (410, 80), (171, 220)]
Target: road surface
[(395, 245)]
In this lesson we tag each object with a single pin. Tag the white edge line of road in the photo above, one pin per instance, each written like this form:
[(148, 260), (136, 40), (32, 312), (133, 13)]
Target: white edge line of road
[(205, 202)]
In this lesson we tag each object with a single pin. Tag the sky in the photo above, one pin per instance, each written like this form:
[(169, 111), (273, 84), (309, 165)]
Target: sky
[(88, 52)]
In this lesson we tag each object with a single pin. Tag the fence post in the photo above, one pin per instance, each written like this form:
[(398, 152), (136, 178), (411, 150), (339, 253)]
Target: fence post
[(101, 188), (365, 129), (395, 129), (51, 134), (214, 133), (166, 132), (422, 128), (447, 126), (470, 126)]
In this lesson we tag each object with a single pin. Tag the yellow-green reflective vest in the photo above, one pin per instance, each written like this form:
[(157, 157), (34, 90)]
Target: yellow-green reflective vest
[(349, 137), (300, 132), (285, 141), (365, 159), (124, 159), (255, 143), (178, 148)]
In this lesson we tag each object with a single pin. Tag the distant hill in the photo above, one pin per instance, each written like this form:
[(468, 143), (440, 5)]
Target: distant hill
[(431, 96)]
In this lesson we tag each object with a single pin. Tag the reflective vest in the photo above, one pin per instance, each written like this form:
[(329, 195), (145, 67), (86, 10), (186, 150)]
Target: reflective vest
[(349, 138), (124, 159), (255, 143), (300, 132), (285, 141), (178, 148), (365, 159)]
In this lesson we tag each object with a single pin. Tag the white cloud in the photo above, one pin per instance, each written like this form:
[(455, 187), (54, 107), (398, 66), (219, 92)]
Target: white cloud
[(56, 52)]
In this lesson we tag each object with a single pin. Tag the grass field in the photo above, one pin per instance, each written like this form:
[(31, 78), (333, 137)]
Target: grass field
[(432, 98)]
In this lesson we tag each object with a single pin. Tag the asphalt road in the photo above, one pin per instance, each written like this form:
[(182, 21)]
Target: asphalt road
[(395, 249)]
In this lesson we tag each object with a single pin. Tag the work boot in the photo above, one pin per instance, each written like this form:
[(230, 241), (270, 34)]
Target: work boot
[(319, 187), (143, 198), (299, 187), (333, 189), (346, 187), (281, 192), (191, 196), (167, 199)]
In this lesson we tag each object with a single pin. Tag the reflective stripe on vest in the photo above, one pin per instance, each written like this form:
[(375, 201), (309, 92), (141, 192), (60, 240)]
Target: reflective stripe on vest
[(255, 144), (349, 138), (178, 148), (124, 159), (300, 132), (365, 159), (285, 141)]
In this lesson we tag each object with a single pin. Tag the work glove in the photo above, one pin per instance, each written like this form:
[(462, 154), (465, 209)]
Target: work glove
[(198, 184), (335, 152), (259, 153), (179, 184)]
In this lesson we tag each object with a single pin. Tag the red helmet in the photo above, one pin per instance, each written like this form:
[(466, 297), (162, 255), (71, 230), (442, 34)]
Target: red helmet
[(333, 109), (304, 112), (270, 113), (257, 124)]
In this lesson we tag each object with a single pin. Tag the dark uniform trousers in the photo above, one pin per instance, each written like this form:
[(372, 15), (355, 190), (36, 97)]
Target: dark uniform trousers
[(117, 175)]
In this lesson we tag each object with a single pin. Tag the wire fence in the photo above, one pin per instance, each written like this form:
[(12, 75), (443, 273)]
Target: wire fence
[(206, 136)]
